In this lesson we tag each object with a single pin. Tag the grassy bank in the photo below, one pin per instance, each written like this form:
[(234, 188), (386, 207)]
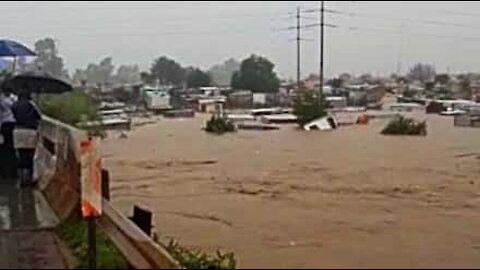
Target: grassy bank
[(74, 233)]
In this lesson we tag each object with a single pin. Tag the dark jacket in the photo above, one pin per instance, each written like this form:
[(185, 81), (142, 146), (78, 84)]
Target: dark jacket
[(26, 114)]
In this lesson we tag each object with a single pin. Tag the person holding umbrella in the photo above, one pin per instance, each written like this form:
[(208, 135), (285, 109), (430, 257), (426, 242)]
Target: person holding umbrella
[(27, 118), (8, 156)]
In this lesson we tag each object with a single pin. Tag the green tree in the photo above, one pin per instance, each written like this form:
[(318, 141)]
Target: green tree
[(127, 74), (442, 79), (422, 72), (69, 108), (48, 59), (147, 78), (197, 78), (429, 86), (96, 74), (167, 71), (308, 107), (222, 74), (256, 74), (466, 88), (366, 78), (336, 83)]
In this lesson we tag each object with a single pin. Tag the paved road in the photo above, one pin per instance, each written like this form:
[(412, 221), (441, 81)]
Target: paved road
[(26, 230)]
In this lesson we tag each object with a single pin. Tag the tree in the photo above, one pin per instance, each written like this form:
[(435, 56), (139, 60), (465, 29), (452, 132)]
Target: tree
[(69, 108), (167, 71), (429, 86), (256, 74), (96, 74), (409, 93), (197, 78), (105, 70), (336, 83), (222, 74), (422, 72), (442, 79), (147, 78), (466, 89), (127, 74), (308, 107), (345, 77), (131, 96), (79, 76), (47, 58), (366, 78)]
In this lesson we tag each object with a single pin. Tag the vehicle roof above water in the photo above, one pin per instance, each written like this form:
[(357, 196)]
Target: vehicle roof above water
[(107, 112)]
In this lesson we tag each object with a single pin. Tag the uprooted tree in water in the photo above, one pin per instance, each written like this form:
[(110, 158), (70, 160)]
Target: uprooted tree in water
[(405, 126)]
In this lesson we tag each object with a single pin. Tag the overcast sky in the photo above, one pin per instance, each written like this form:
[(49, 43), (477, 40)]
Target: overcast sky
[(446, 34)]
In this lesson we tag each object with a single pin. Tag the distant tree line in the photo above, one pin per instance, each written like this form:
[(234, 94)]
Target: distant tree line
[(254, 73)]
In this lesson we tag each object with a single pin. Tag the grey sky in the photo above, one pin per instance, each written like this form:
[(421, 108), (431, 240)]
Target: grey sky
[(206, 33)]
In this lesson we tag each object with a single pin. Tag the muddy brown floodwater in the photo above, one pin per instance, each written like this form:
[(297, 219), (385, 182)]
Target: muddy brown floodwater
[(286, 198)]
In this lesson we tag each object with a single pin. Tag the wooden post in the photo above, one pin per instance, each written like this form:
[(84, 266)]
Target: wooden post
[(106, 184), (92, 243), (143, 219)]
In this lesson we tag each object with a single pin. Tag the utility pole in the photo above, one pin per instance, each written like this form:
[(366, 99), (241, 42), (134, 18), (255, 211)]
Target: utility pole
[(298, 48), (322, 34)]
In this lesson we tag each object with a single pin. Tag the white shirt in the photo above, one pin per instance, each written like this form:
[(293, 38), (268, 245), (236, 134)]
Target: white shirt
[(6, 104)]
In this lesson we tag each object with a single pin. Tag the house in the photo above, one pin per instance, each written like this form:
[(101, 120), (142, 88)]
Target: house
[(405, 107), (265, 99), (285, 118), (210, 91), (469, 119), (336, 102), (364, 94), (212, 105), (156, 98), (240, 99), (435, 107)]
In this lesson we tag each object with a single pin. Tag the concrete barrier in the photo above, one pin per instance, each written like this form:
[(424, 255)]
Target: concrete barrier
[(58, 171)]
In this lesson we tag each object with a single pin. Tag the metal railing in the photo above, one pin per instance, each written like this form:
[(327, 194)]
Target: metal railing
[(58, 168)]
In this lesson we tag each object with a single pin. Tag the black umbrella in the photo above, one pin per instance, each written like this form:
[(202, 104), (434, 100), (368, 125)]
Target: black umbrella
[(36, 82)]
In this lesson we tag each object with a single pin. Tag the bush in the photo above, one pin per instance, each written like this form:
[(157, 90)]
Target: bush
[(405, 126), (69, 108), (308, 107), (194, 259), (219, 125)]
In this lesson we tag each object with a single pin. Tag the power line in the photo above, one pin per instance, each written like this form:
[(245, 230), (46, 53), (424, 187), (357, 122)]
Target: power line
[(298, 47), (322, 37), (400, 32), (403, 19), (459, 13)]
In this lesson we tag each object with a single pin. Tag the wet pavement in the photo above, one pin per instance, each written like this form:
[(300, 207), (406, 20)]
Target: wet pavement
[(23, 209), (26, 230)]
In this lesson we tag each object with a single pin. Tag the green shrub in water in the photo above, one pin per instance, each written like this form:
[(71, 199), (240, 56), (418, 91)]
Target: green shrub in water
[(195, 259), (218, 124), (405, 126)]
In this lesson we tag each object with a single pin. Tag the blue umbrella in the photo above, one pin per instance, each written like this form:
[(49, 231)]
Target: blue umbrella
[(10, 48), (3, 64)]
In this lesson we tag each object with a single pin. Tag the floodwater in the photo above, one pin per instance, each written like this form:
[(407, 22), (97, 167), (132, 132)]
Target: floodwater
[(287, 198)]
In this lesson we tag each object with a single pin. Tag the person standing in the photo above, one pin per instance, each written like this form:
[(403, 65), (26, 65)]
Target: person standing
[(8, 156), (27, 118)]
